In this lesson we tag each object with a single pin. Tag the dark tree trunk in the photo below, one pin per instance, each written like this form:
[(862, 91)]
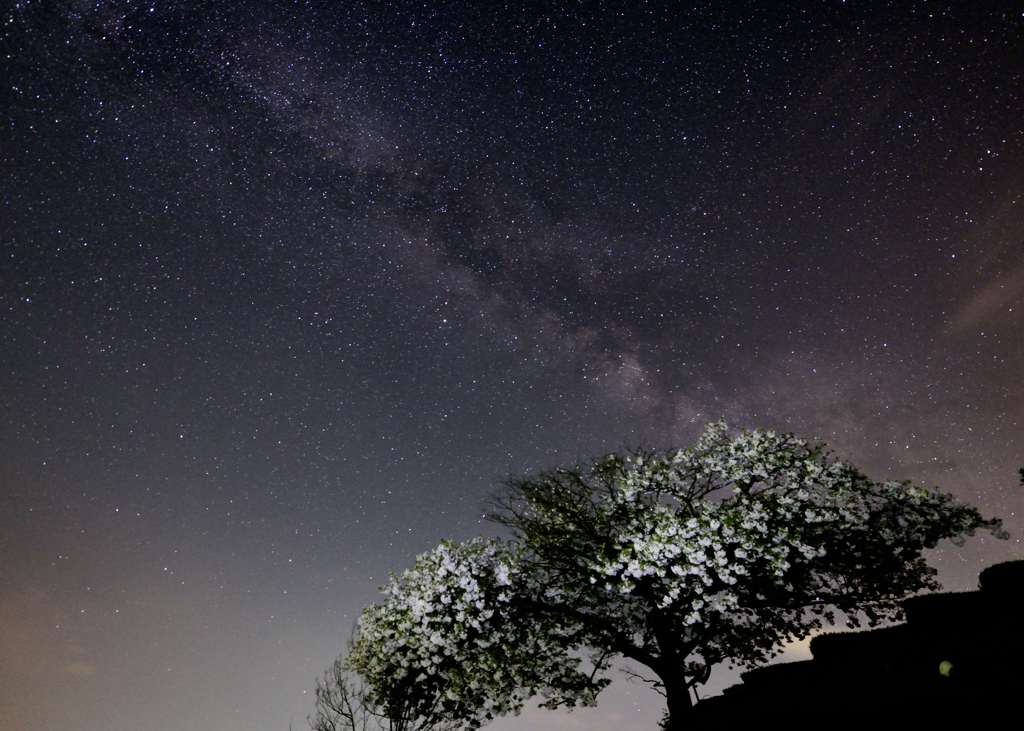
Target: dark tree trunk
[(671, 670), (677, 698)]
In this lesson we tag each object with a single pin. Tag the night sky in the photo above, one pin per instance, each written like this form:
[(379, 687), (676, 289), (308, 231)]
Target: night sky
[(287, 289)]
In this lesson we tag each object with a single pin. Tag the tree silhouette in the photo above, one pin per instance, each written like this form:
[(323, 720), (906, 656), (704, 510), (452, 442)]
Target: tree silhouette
[(678, 561), (340, 702), (344, 704)]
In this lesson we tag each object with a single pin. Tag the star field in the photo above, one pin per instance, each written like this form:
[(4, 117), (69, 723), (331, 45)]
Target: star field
[(286, 289)]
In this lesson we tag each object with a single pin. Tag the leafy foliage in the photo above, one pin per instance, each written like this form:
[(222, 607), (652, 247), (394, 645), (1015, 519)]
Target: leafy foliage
[(343, 703), (678, 560), (454, 639)]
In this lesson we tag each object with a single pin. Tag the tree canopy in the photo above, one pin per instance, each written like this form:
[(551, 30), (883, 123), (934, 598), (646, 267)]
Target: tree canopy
[(455, 639), (678, 560), (343, 703)]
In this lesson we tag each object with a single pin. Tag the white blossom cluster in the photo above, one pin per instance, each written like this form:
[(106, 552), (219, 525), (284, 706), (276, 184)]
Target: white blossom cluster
[(717, 552), (450, 636), (710, 534), (690, 562)]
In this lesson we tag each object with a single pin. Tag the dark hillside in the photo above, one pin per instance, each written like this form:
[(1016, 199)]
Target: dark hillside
[(957, 655)]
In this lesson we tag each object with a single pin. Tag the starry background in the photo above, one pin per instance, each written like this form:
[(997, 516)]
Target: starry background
[(287, 289)]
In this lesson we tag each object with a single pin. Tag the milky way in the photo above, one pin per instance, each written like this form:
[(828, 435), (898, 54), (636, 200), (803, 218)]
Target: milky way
[(288, 288)]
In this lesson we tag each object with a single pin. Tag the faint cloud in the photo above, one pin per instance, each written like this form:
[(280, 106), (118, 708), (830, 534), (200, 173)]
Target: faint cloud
[(997, 299), (80, 669)]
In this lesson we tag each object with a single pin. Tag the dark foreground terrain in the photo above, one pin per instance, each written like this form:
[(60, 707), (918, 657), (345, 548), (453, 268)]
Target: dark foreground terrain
[(958, 658)]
